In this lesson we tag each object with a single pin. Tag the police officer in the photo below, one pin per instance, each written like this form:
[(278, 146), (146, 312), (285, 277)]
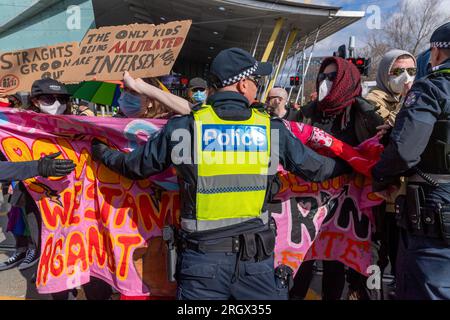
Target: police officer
[(419, 147), (226, 240), (47, 166)]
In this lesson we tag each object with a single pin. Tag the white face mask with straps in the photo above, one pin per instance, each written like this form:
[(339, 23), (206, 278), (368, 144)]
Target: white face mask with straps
[(55, 108), (324, 89), (397, 83)]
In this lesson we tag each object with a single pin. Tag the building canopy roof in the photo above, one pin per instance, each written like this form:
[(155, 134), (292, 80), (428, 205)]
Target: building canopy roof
[(219, 24)]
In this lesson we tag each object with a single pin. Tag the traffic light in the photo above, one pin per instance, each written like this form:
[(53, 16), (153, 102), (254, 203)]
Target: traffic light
[(362, 64), (294, 81)]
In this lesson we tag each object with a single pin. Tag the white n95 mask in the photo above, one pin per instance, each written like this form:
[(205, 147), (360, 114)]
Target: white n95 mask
[(398, 83), (55, 108), (324, 89)]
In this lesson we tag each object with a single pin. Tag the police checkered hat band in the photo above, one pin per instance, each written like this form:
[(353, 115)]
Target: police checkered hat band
[(240, 76), (441, 45)]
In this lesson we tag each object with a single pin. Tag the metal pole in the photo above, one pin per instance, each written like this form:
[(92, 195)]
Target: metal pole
[(287, 46), (257, 41), (305, 71), (276, 60), (267, 79), (289, 71), (276, 30), (297, 67), (298, 64)]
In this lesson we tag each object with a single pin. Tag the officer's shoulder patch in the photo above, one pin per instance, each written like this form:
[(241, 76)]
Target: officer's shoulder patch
[(412, 97)]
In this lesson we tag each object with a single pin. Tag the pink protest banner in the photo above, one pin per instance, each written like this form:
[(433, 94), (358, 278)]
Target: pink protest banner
[(93, 220), (330, 220), (98, 223)]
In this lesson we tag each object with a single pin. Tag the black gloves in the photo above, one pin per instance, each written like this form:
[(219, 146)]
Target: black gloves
[(97, 149), (48, 166)]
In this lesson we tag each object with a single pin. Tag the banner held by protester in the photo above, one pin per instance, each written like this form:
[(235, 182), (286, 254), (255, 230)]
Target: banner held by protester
[(94, 219), (98, 223)]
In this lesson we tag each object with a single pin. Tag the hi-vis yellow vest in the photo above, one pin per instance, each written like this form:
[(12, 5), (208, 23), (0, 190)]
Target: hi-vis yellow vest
[(232, 165)]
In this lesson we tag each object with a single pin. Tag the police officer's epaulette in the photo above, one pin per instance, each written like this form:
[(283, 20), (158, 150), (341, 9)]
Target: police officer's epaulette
[(262, 112), (260, 108), (197, 106), (438, 73)]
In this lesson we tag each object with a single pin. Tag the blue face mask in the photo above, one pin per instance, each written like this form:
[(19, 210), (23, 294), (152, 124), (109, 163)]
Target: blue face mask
[(130, 105), (199, 96)]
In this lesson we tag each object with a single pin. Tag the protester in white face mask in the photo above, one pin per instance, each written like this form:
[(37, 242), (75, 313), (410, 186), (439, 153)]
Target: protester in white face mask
[(396, 74), (340, 111), (325, 85), (50, 97)]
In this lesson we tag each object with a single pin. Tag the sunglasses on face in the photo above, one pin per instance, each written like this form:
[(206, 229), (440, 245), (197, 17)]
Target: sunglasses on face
[(274, 97), (198, 89), (50, 99), (255, 80), (330, 76), (398, 71)]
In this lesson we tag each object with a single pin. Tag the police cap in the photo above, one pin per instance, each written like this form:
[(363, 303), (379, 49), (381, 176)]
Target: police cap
[(441, 37), (232, 65)]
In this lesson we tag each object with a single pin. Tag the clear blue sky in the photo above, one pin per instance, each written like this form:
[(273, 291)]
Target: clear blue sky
[(358, 29)]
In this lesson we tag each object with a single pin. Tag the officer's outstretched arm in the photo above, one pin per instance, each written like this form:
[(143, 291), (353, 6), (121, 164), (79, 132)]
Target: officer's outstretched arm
[(299, 159), (413, 127), (144, 161), (47, 166), (17, 171)]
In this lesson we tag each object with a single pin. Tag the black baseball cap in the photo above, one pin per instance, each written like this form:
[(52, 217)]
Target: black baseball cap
[(197, 83), (441, 37), (48, 86), (232, 65)]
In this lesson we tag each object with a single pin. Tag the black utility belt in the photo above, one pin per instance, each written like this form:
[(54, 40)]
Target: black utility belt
[(432, 222), (225, 245), (259, 245), (429, 220)]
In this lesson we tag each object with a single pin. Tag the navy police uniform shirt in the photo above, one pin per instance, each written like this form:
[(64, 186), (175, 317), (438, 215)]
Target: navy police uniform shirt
[(155, 156), (17, 171), (413, 126)]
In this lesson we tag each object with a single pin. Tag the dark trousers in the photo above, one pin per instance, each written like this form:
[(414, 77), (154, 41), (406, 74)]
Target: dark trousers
[(22, 241), (95, 289), (333, 281), (423, 268), (34, 222), (390, 239), (219, 276)]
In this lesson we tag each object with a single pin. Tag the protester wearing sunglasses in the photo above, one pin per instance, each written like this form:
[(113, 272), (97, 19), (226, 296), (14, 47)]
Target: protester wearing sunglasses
[(277, 105), (340, 111), (396, 73), (50, 96), (197, 90)]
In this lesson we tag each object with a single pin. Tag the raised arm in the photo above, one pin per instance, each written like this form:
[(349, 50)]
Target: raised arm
[(174, 102)]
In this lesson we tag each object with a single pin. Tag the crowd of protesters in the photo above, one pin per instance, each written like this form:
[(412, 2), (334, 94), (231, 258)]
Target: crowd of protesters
[(338, 108)]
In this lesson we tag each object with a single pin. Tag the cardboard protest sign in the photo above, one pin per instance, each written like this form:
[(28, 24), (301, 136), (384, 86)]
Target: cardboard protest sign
[(145, 50), (18, 69)]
